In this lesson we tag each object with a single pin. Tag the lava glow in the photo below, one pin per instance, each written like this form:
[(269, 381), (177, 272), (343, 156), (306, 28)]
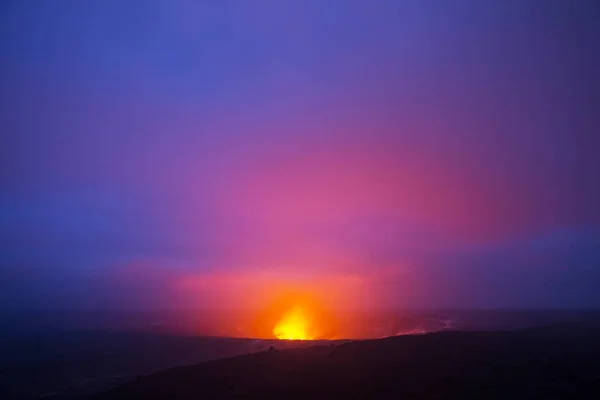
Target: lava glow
[(293, 325)]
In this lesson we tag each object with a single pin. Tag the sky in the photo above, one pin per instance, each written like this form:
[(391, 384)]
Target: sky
[(199, 154)]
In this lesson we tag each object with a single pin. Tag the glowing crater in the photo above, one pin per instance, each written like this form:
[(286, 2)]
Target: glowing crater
[(294, 325)]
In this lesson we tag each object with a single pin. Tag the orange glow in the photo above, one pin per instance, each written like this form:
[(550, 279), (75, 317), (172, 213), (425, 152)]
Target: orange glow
[(295, 313), (284, 305), (295, 324)]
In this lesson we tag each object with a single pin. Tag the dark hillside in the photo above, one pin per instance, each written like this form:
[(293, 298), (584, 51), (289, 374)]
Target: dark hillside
[(561, 361)]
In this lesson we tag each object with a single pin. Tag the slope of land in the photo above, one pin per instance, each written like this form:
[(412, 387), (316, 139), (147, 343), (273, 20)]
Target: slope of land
[(560, 361), (69, 365)]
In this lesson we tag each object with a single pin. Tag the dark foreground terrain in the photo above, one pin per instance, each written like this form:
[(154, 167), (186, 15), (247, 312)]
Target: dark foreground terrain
[(557, 362), (64, 366)]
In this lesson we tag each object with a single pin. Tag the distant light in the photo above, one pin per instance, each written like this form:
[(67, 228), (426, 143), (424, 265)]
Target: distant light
[(293, 325)]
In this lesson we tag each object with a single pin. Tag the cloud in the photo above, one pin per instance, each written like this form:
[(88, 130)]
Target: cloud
[(435, 151), (119, 254), (80, 231)]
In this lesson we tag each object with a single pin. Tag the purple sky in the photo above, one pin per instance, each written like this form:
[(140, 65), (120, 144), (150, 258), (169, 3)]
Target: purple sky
[(423, 153)]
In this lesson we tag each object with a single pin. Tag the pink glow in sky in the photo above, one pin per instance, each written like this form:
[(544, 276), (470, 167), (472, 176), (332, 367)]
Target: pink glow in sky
[(414, 154)]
